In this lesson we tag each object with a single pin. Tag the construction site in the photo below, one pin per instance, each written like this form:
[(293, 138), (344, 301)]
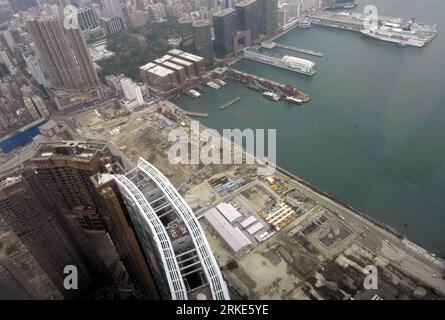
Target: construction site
[(275, 236)]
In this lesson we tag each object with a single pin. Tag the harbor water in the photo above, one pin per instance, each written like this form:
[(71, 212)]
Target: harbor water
[(373, 134)]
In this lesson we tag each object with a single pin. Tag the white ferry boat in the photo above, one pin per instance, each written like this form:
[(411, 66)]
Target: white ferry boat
[(271, 96), (395, 35), (213, 85)]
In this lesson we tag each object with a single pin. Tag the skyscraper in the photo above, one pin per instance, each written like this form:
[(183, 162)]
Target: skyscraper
[(64, 54), (42, 233), (52, 204), (203, 40), (170, 237), (267, 16), (122, 232), (224, 24), (187, 41), (247, 17)]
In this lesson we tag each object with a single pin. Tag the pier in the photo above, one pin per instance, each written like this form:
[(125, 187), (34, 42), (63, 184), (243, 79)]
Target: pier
[(291, 63), (357, 22), (196, 114), (335, 20), (291, 48), (229, 103), (266, 84)]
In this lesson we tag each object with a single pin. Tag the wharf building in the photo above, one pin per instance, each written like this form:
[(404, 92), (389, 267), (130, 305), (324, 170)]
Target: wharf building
[(170, 237), (224, 24)]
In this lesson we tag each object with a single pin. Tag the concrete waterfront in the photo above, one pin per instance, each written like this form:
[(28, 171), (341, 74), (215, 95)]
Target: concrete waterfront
[(319, 254)]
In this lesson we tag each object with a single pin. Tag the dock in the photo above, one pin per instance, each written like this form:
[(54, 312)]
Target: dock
[(196, 114), (301, 50), (356, 22), (261, 84), (229, 103), (291, 63)]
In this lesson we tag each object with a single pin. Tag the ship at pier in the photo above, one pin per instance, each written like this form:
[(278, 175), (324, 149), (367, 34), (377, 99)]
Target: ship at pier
[(396, 33)]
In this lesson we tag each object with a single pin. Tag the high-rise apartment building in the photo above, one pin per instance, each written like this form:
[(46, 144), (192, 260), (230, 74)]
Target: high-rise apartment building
[(203, 40), (64, 54), (11, 100), (224, 24)]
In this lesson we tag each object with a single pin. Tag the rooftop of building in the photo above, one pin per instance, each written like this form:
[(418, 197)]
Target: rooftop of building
[(297, 60), (191, 57), (245, 3), (181, 62), (147, 66), (201, 23), (42, 18), (175, 52), (185, 20), (160, 71), (224, 12), (163, 58), (79, 150), (105, 176), (172, 65)]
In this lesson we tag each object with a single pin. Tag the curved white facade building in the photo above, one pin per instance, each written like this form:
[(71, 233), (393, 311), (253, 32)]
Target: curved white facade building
[(171, 237)]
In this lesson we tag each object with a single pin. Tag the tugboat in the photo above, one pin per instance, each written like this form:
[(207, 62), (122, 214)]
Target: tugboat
[(271, 96)]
